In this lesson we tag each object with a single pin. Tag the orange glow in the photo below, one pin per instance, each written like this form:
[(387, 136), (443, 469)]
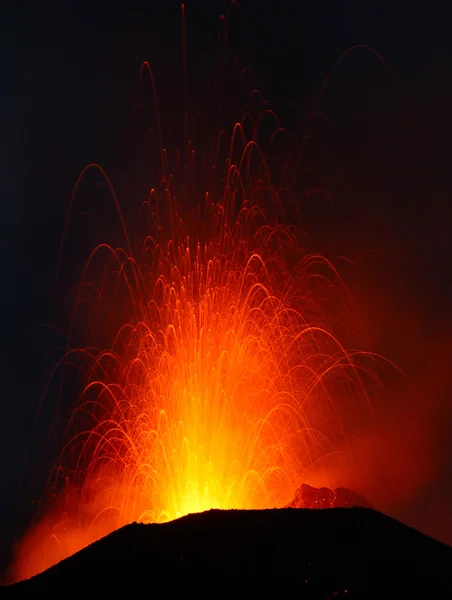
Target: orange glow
[(226, 382), (217, 395)]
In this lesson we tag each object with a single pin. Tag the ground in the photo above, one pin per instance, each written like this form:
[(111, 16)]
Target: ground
[(313, 553)]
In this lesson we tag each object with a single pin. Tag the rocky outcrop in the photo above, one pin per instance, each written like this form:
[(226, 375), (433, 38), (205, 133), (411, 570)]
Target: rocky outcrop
[(307, 496)]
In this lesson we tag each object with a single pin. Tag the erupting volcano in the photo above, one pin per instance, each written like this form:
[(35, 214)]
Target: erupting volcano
[(236, 352)]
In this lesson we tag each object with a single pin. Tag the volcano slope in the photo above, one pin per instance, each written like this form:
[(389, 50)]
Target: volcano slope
[(311, 553)]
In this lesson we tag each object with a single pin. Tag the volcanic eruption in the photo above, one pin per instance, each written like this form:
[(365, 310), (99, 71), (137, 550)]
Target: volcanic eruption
[(235, 353)]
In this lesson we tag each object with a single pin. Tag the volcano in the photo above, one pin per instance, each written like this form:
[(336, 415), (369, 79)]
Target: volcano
[(353, 552), (213, 355)]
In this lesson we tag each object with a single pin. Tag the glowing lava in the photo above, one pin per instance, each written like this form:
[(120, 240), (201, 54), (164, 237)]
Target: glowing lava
[(223, 384)]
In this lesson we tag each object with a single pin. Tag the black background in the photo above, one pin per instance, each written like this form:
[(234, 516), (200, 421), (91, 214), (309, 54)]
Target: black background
[(69, 84)]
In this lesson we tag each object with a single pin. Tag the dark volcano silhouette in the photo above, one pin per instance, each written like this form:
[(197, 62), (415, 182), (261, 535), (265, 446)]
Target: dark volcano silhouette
[(314, 554)]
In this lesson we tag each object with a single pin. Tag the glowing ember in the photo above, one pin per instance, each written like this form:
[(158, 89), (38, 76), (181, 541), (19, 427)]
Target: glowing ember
[(222, 386)]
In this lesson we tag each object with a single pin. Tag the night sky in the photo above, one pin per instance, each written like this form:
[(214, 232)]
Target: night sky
[(69, 86)]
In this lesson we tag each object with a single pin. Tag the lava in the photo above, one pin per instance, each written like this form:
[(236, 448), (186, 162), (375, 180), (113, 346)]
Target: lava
[(232, 363)]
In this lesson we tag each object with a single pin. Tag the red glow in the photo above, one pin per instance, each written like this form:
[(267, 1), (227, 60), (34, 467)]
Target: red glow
[(222, 387)]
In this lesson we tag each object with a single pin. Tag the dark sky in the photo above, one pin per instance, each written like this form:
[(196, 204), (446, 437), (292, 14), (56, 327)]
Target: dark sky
[(69, 83)]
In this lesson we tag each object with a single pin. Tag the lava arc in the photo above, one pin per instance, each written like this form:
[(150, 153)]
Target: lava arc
[(229, 371)]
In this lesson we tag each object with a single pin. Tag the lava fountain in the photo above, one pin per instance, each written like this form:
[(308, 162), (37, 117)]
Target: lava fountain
[(232, 363)]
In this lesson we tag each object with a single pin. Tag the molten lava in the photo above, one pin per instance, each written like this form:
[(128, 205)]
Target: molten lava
[(219, 393), (228, 375)]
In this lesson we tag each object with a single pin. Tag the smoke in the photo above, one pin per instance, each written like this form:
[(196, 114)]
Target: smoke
[(402, 456), (71, 523)]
